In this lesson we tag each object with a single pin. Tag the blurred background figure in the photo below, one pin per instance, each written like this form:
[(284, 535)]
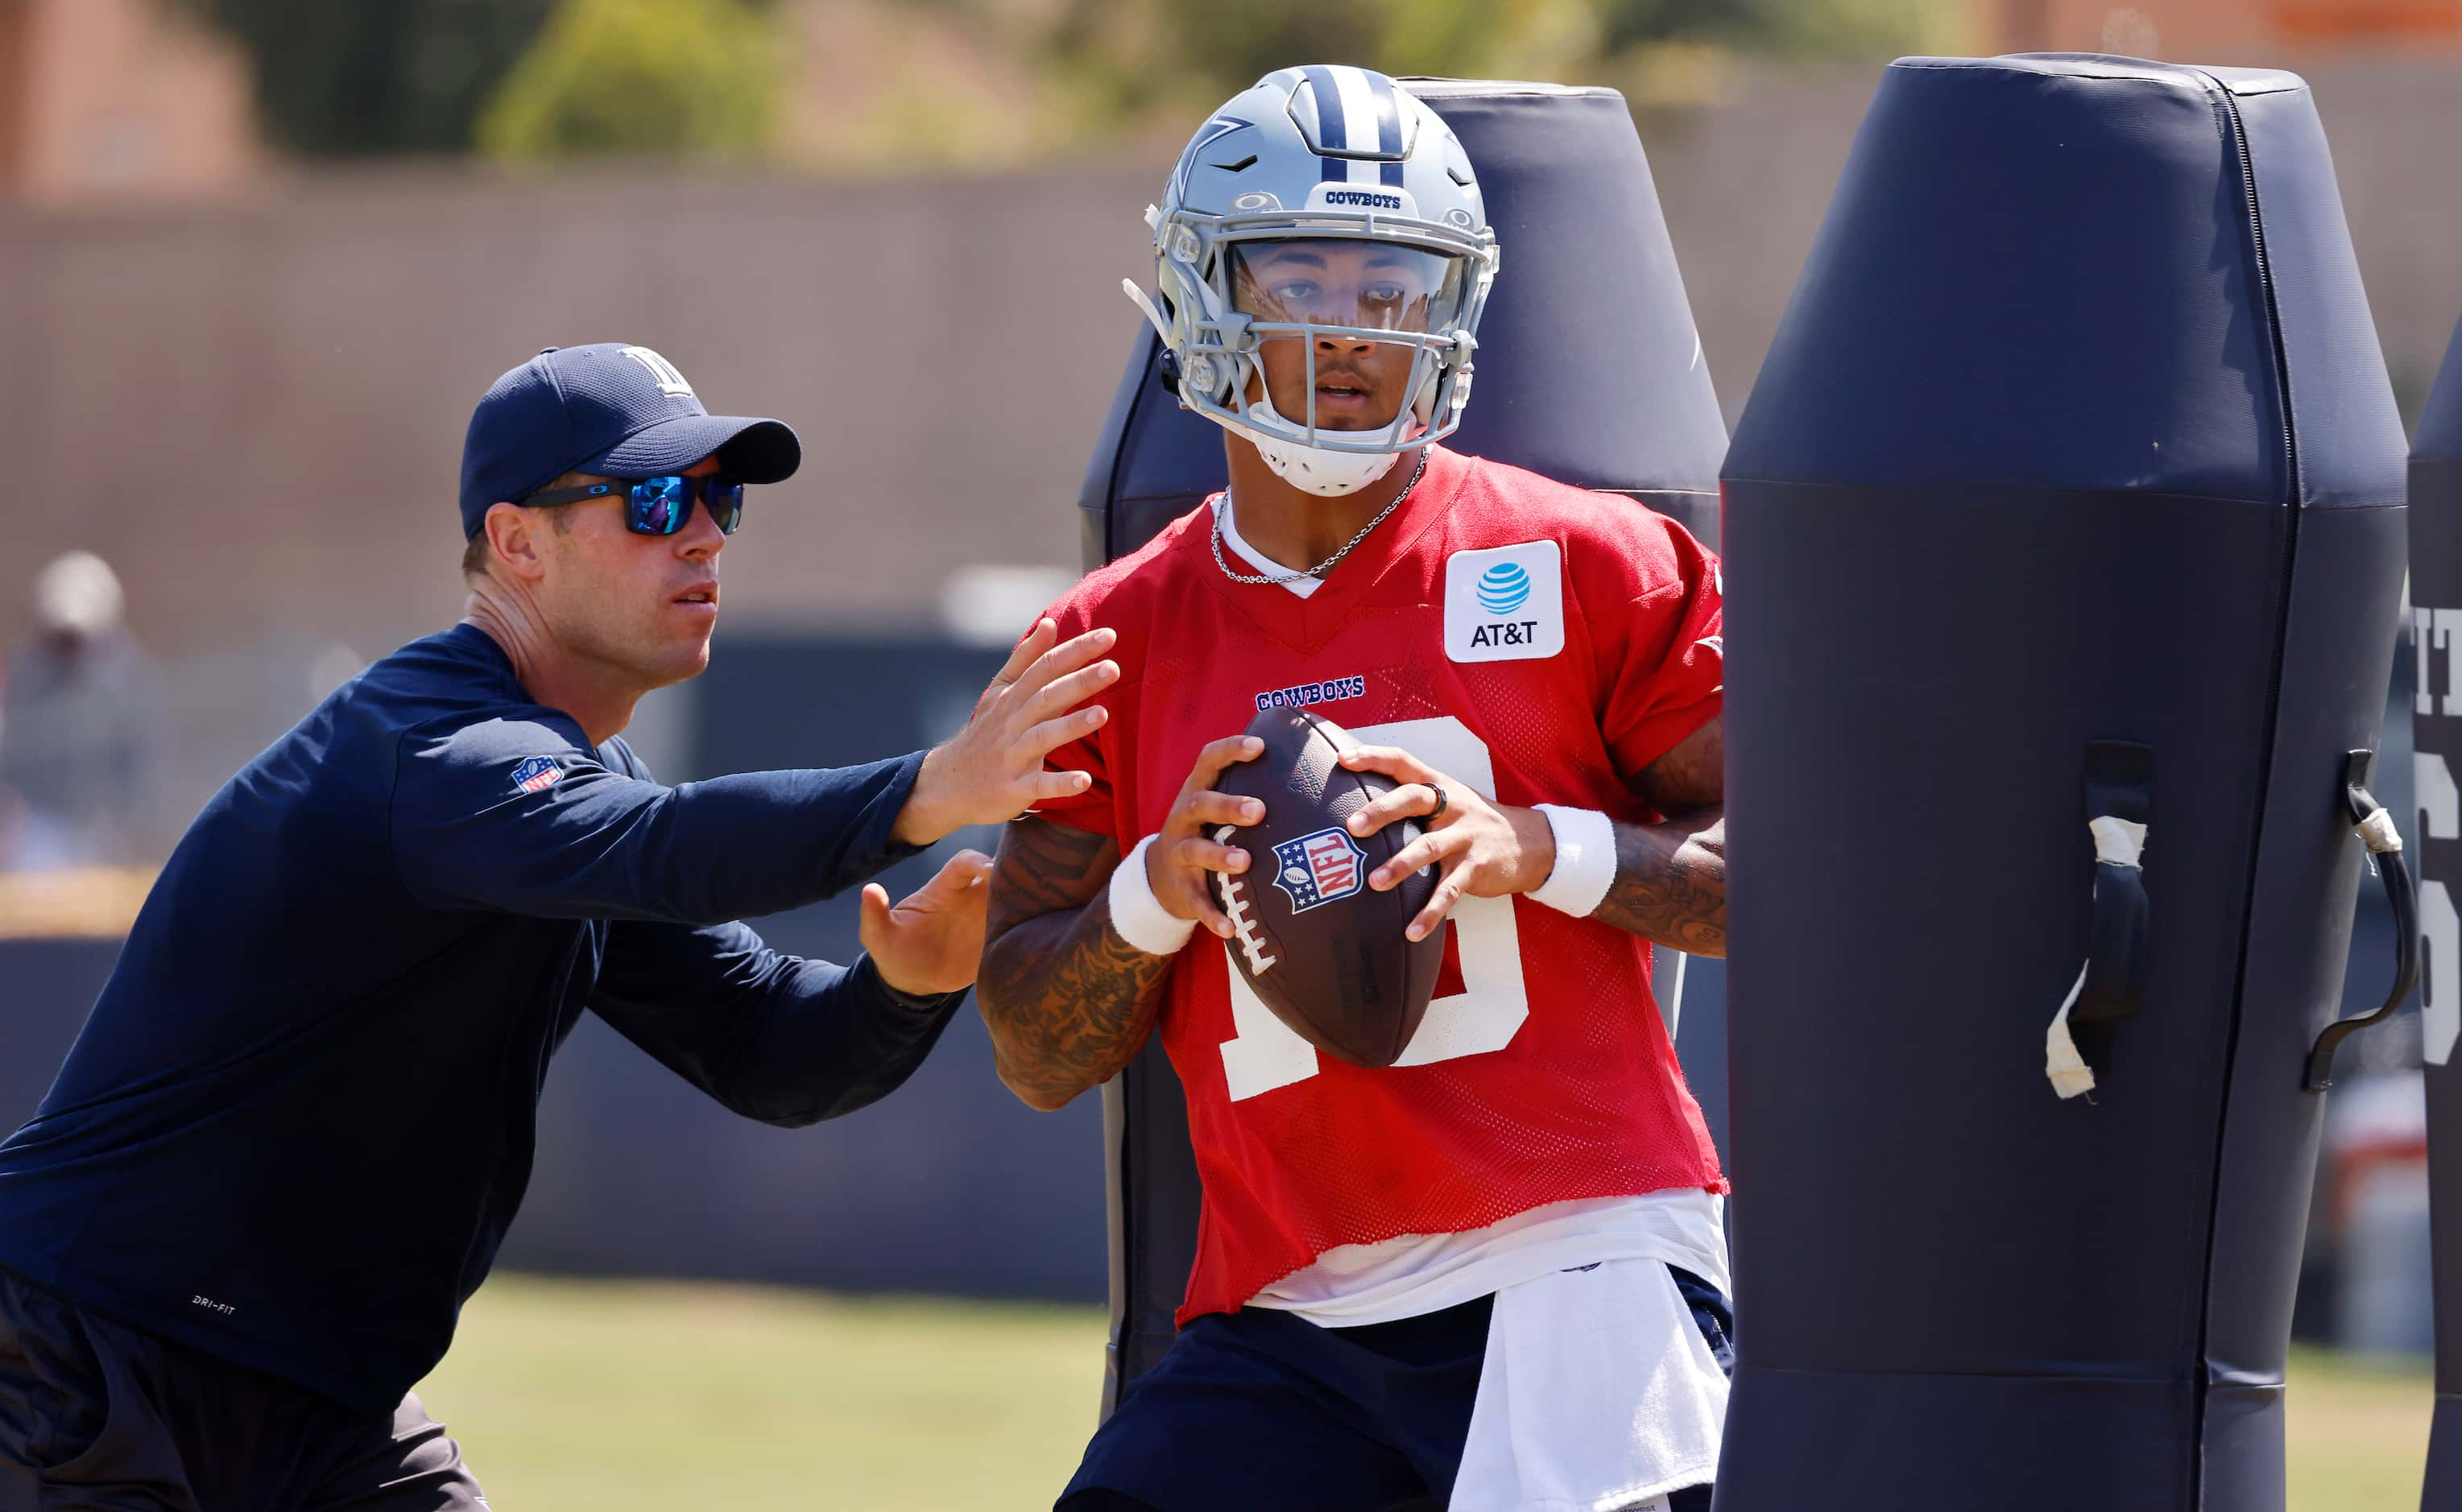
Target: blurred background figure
[(79, 728)]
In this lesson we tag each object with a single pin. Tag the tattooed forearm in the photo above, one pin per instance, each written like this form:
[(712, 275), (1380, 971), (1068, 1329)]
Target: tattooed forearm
[(1072, 1006), (1691, 777), (1068, 1001), (1671, 883)]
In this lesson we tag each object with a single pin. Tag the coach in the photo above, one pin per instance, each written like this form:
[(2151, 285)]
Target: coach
[(295, 1126)]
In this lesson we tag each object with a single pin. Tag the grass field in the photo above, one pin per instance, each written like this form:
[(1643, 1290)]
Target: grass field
[(2359, 1433), (617, 1397)]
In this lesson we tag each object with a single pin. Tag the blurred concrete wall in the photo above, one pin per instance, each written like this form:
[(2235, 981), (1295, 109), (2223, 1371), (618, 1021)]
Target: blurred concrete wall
[(108, 102), (255, 411)]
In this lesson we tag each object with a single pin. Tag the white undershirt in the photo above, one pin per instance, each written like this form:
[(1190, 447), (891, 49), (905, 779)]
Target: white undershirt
[(1302, 586), (1351, 1284)]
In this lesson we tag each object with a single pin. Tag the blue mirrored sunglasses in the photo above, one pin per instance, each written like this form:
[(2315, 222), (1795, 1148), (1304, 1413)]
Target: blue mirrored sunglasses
[(659, 506)]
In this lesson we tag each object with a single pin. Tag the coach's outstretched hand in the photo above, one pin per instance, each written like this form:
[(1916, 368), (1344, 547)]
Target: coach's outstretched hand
[(991, 771), (930, 942)]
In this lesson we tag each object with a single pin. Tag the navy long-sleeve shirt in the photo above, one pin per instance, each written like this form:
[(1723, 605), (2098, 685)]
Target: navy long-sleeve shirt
[(294, 1128)]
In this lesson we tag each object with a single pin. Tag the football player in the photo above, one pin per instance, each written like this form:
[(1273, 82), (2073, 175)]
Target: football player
[(1494, 1271)]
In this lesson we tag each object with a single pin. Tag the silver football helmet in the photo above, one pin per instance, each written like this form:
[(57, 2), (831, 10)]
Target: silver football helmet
[(1328, 207)]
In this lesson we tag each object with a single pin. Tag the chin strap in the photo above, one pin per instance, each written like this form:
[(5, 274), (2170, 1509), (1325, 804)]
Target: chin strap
[(1147, 308)]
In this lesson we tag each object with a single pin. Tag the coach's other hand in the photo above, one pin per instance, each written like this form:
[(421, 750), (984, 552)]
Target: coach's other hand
[(991, 771), (930, 942)]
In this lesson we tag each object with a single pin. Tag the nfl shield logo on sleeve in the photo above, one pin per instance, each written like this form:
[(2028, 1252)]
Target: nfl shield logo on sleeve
[(535, 774), (1318, 868)]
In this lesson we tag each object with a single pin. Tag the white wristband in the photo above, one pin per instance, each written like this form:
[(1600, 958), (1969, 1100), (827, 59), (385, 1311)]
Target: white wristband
[(1586, 861), (1137, 915)]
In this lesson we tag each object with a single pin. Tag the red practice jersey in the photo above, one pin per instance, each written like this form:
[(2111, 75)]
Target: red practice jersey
[(1533, 640)]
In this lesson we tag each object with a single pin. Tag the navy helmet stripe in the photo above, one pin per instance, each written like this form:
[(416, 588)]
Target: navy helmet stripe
[(1389, 114), (1389, 129), (1332, 131), (1331, 134)]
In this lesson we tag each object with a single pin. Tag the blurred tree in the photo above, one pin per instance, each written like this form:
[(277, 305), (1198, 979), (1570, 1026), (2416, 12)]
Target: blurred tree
[(1491, 38), (1132, 55), (1822, 27), (367, 77), (636, 76)]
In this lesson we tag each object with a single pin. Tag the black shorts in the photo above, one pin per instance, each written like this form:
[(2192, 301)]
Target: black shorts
[(99, 1417), (1263, 1409)]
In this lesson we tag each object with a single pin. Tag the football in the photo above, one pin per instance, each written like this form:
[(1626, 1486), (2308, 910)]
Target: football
[(1322, 949)]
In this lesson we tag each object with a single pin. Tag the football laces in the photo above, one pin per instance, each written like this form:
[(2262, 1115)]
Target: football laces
[(1235, 904)]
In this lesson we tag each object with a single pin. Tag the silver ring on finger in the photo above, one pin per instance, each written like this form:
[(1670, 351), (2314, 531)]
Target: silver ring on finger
[(1440, 798)]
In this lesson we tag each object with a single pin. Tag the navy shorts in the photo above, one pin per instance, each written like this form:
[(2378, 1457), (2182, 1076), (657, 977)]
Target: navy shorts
[(99, 1417), (1260, 1408)]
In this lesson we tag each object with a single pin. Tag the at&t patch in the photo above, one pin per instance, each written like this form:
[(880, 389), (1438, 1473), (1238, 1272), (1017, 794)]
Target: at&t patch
[(1505, 603)]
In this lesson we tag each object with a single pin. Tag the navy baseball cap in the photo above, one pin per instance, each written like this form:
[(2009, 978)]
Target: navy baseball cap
[(610, 409)]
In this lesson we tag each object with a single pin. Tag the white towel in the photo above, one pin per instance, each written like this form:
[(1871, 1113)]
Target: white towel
[(1598, 1394)]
